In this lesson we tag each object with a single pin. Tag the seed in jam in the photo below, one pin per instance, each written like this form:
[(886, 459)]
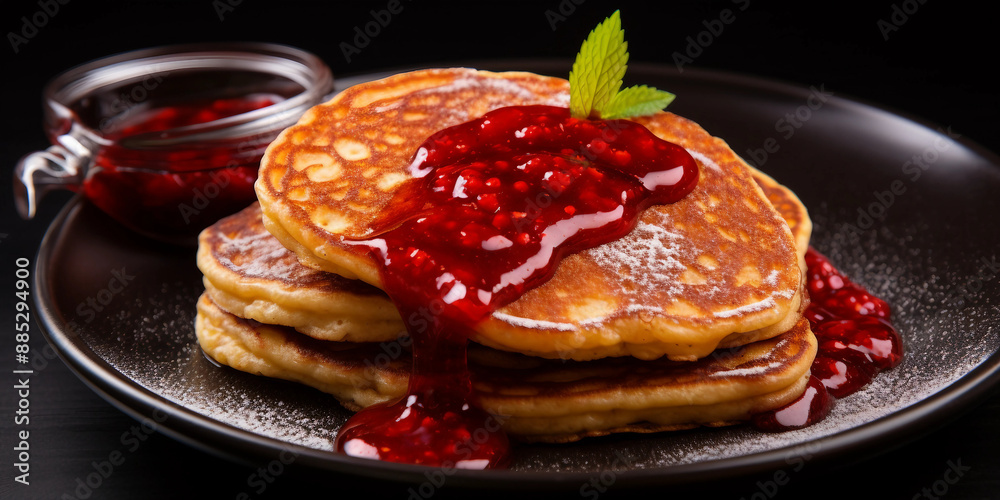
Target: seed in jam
[(495, 204)]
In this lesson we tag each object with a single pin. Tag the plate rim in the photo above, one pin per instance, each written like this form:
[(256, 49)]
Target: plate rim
[(226, 441)]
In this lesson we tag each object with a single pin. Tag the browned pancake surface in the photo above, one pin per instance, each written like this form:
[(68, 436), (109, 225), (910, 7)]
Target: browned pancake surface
[(242, 245), (718, 262), (244, 266), (536, 399), (250, 274)]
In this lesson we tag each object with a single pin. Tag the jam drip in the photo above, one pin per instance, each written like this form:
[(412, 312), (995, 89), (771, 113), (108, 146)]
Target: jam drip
[(494, 206), (856, 341)]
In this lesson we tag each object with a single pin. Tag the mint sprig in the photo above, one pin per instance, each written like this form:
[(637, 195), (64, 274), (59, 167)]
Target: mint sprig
[(596, 78)]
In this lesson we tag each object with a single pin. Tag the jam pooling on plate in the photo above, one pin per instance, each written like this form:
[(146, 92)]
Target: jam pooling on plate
[(856, 341), (494, 205), (175, 192)]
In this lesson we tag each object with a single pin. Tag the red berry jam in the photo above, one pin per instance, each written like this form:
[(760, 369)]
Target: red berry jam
[(174, 192), (496, 203), (856, 341), (809, 408)]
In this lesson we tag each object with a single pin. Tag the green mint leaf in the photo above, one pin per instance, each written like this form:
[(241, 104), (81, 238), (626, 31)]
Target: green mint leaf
[(595, 81), (598, 70), (637, 100)]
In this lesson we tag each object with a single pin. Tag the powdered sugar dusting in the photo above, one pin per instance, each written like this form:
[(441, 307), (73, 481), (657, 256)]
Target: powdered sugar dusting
[(388, 107), (749, 371), (224, 397), (508, 87), (749, 308), (264, 257), (534, 324), (772, 278), (705, 160), (760, 305), (649, 248)]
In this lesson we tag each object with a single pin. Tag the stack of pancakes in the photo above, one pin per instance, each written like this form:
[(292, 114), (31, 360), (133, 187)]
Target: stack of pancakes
[(694, 318)]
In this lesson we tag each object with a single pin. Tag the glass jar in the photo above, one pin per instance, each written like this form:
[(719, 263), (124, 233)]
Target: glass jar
[(168, 140)]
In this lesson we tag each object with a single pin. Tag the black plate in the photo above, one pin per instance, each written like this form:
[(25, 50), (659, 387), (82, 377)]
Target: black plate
[(897, 205)]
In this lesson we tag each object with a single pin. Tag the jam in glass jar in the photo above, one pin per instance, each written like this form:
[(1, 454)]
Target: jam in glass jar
[(168, 140)]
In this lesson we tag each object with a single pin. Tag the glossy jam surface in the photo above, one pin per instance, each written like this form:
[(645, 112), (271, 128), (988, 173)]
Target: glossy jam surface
[(809, 408), (496, 203), (174, 192), (856, 341)]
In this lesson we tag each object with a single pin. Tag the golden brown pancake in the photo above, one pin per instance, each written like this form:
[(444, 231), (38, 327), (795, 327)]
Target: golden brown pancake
[(535, 399), (721, 264), (790, 208), (251, 275)]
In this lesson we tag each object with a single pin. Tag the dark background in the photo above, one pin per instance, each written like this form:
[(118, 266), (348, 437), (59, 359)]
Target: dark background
[(937, 66)]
